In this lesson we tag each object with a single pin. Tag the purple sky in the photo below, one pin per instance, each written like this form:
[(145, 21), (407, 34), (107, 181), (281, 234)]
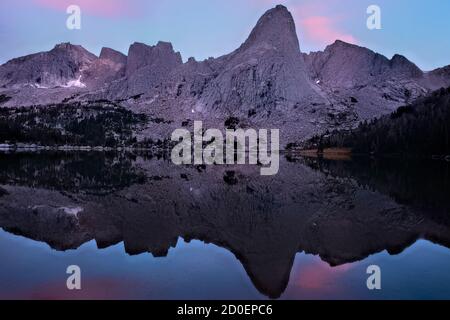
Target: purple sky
[(203, 28)]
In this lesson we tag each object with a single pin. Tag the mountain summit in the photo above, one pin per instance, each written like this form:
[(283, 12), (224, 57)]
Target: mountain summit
[(56, 67), (276, 28), (265, 75)]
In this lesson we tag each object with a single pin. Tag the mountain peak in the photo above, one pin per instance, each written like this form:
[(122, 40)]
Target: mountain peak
[(113, 55), (401, 65), (276, 27), (64, 45), (165, 45), (56, 67), (76, 51), (67, 46), (162, 54), (339, 44)]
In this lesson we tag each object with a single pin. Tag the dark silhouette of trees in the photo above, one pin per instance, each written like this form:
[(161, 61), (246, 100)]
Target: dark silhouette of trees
[(418, 129), (70, 124)]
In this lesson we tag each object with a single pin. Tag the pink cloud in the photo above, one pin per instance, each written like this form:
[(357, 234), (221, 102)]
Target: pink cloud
[(323, 30), (319, 23), (104, 8)]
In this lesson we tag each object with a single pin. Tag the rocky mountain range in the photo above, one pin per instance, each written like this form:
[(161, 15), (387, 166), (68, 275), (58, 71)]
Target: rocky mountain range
[(266, 83)]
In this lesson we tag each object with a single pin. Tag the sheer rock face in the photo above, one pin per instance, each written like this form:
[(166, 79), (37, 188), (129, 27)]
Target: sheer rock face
[(276, 28), (147, 66), (109, 67), (113, 56), (56, 67), (373, 84), (266, 72), (344, 65), (264, 83)]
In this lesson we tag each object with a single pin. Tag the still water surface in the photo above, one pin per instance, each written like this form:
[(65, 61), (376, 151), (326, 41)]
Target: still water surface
[(141, 228)]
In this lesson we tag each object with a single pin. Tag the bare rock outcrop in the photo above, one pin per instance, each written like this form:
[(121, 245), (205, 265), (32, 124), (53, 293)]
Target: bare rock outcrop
[(61, 66)]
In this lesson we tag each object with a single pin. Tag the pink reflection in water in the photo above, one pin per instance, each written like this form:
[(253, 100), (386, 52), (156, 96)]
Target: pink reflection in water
[(312, 278), (92, 289)]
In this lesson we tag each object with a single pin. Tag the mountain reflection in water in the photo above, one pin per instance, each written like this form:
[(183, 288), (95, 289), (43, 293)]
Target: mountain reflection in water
[(340, 211)]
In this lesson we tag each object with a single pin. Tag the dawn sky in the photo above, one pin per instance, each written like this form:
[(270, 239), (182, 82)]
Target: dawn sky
[(204, 28)]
